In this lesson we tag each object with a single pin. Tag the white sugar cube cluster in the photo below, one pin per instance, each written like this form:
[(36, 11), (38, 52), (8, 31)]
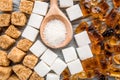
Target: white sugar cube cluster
[(65, 3), (40, 8), (73, 63), (38, 48), (52, 76), (82, 39), (39, 11), (74, 12), (30, 33)]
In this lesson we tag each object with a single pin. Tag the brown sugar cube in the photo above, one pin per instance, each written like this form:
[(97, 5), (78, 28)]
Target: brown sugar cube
[(22, 72), (30, 61), (6, 41), (13, 77), (4, 61), (35, 76), (4, 20), (24, 44), (6, 5), (16, 55), (13, 32), (5, 73), (18, 19), (26, 6), (116, 58), (85, 7), (112, 18)]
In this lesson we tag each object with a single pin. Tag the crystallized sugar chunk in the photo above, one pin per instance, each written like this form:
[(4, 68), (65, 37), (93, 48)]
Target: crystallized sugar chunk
[(35, 20), (75, 67), (52, 76), (30, 33), (58, 66), (66, 3), (48, 57), (38, 48), (40, 8), (74, 12), (69, 54), (82, 39), (84, 52), (42, 69)]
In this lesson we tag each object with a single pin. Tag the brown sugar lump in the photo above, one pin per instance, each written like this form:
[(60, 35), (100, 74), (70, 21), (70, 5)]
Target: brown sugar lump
[(13, 77), (24, 44), (6, 5), (5, 73), (26, 6), (4, 20), (13, 32), (22, 72), (16, 55), (4, 61), (6, 41), (30, 61), (35, 76), (18, 19)]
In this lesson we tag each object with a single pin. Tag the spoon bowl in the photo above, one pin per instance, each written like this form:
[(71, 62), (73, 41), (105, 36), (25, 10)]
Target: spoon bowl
[(55, 13)]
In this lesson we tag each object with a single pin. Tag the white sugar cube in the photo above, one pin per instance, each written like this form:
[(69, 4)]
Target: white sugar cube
[(74, 12), (40, 8), (66, 3), (82, 39), (69, 54), (30, 33), (35, 20), (42, 69), (52, 76), (58, 66), (49, 57), (75, 67), (84, 52), (38, 48)]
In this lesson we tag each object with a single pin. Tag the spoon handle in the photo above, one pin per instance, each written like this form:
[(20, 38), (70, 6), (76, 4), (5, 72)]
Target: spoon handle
[(53, 3)]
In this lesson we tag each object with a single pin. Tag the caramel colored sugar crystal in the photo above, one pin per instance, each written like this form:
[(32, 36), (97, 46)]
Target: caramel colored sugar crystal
[(6, 41), (6, 5)]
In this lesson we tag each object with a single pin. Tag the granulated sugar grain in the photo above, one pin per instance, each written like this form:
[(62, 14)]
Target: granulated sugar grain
[(55, 32)]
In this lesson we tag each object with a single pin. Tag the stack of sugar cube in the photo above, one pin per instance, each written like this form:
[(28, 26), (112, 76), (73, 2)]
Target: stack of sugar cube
[(83, 42), (39, 11), (73, 63)]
